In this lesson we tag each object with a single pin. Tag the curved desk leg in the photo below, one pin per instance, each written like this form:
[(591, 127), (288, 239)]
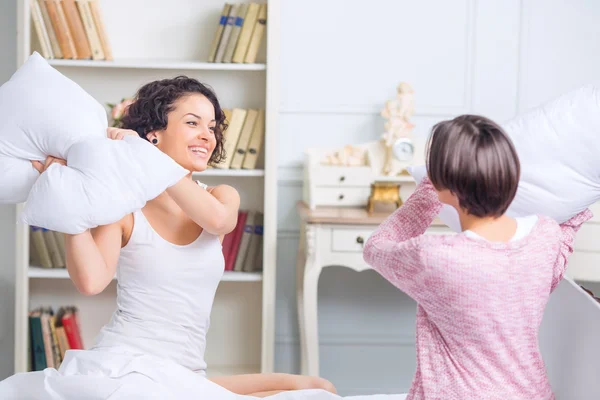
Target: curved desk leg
[(300, 266), (312, 272), (311, 331)]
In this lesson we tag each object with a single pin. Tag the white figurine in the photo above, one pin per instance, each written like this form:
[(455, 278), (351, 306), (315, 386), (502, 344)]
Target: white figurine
[(397, 112)]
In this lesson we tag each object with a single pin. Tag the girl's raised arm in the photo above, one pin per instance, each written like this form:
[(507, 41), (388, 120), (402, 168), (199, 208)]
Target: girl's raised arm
[(215, 211)]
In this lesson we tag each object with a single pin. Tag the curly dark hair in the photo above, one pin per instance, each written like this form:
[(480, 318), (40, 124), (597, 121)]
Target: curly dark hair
[(155, 100)]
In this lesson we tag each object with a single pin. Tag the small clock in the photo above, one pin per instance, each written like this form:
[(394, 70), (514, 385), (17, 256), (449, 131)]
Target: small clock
[(403, 149)]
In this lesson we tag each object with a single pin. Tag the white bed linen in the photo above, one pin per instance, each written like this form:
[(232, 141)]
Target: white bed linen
[(322, 395), (102, 375)]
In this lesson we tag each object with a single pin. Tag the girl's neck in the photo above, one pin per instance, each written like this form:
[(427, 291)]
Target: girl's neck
[(165, 203), (494, 229)]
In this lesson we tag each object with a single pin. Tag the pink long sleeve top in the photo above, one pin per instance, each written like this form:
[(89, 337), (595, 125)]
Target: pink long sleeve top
[(479, 303)]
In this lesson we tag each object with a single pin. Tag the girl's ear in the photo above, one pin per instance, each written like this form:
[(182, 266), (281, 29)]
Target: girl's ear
[(153, 137)]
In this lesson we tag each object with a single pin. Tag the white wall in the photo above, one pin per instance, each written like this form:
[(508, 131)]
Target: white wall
[(493, 57), (340, 62), (8, 62)]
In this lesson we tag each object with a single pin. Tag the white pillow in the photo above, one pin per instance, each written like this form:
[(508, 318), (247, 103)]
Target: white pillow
[(559, 150), (44, 113)]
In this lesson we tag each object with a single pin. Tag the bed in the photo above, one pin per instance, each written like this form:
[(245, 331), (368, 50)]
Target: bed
[(568, 340)]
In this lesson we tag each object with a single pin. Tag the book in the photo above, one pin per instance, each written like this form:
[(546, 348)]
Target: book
[(246, 236), (101, 30), (212, 53), (61, 29), (243, 42), (63, 343), (75, 25), (60, 242), (226, 246), (38, 351), (257, 35), (56, 255), (227, 113), (90, 29), (47, 248), (42, 254), (58, 356), (41, 30), (235, 242), (255, 143), (235, 32), (244, 139), (68, 319), (238, 116), (56, 52), (47, 338), (227, 32), (253, 260)]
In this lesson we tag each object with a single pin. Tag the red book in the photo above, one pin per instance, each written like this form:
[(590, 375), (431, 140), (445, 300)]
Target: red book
[(235, 240), (72, 331), (227, 242)]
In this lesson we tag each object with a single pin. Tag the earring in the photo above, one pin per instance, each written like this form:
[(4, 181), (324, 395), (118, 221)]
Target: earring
[(155, 140)]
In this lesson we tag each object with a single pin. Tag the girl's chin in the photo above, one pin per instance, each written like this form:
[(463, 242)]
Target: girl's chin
[(199, 166)]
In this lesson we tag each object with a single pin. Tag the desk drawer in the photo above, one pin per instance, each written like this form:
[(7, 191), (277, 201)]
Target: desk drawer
[(342, 196), (353, 240), (342, 176)]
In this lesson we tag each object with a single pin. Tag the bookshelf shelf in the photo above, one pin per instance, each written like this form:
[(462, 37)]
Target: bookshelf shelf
[(61, 273), (157, 64), (230, 172), (48, 273), (233, 276), (243, 328)]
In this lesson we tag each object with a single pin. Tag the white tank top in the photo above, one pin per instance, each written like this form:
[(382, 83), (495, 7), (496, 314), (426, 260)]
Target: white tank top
[(165, 293)]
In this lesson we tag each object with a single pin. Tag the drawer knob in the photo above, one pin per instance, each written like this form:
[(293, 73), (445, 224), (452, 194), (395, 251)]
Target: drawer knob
[(341, 197), (359, 239), (342, 178)]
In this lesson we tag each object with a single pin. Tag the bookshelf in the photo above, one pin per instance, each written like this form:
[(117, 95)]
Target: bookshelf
[(230, 173), (169, 39), (61, 273), (158, 64)]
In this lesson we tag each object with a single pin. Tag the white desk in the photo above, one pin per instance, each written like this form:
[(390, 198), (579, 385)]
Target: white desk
[(329, 236)]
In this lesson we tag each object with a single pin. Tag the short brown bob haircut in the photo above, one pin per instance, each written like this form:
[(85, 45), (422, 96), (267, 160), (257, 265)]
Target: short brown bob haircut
[(473, 158)]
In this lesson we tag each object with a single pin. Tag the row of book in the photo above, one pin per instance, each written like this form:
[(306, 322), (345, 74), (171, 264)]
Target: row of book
[(47, 248), (51, 335), (239, 33), (242, 247), (243, 138), (70, 29)]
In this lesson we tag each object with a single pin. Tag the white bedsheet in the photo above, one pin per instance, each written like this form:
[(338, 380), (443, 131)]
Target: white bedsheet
[(322, 395), (99, 375)]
